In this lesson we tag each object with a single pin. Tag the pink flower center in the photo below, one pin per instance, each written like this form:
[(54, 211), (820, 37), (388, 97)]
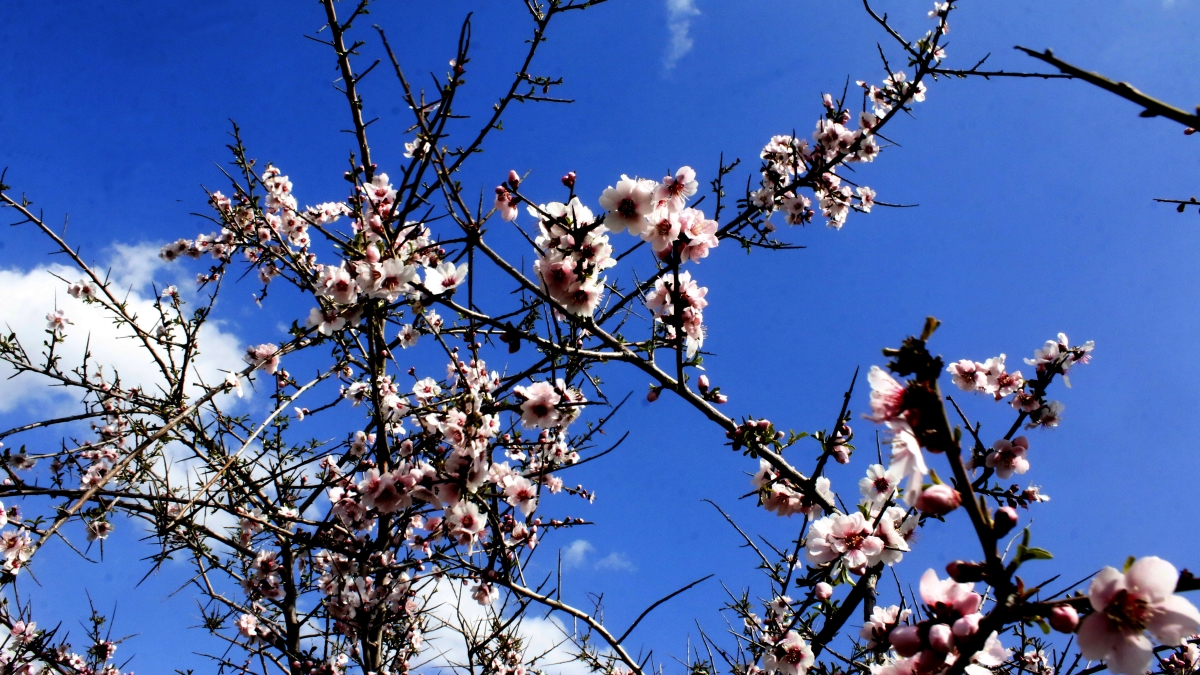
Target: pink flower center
[(1128, 612), (855, 541), (627, 208), (794, 655)]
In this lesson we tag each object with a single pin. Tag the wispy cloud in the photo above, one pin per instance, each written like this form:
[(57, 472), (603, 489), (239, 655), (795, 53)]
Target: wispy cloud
[(615, 562), (576, 553), (679, 24), (580, 554)]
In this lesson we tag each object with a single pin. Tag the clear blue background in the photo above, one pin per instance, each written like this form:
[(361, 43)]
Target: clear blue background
[(1035, 216)]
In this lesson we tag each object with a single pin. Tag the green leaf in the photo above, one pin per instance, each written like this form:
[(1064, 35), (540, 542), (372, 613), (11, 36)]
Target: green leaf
[(1036, 554)]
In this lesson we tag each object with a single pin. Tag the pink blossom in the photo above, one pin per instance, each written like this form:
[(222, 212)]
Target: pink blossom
[(627, 204), (464, 522), (444, 277), (1008, 457), (539, 408), (908, 460), (506, 204), (968, 375), (879, 484), (948, 598), (675, 191), (663, 229), (56, 322), (485, 594), (336, 284), (887, 398), (1126, 606), (848, 537), (881, 622), (790, 656), (263, 356), (938, 500)]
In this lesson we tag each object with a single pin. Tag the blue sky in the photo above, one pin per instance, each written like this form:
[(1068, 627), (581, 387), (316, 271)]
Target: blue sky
[(1036, 216)]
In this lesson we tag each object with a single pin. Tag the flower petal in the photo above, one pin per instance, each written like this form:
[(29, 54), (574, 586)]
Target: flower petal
[(1152, 578), (1176, 619)]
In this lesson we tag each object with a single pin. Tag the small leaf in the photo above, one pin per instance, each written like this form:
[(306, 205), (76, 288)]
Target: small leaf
[(1036, 554)]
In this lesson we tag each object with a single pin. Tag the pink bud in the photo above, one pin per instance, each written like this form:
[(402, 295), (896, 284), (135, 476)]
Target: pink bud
[(938, 500), (1064, 619), (703, 384), (940, 638), (906, 640), (513, 179), (840, 454), (968, 625), (823, 591), (1004, 521), (372, 254), (965, 572), (569, 179), (652, 395), (720, 399)]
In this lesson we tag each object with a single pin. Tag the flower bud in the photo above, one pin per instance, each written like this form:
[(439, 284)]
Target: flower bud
[(823, 591), (1004, 521), (967, 626), (720, 399), (652, 395), (940, 638), (703, 384), (841, 455), (569, 179), (1064, 619), (513, 179), (938, 500), (965, 572), (906, 640)]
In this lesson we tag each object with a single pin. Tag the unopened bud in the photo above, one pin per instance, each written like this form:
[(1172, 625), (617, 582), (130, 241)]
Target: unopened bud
[(1189, 131), (906, 640), (823, 591), (1004, 521), (652, 395), (1064, 619), (941, 638), (938, 500), (841, 454), (569, 179), (703, 384), (779, 435), (720, 399), (513, 179), (965, 572)]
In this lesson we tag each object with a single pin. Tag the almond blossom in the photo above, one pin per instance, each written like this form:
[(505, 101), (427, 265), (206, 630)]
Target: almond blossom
[(627, 205), (846, 537), (1127, 605)]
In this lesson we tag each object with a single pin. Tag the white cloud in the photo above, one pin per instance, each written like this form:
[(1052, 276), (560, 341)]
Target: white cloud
[(615, 562), (679, 24), (576, 553), (455, 613), (579, 554), (29, 295)]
